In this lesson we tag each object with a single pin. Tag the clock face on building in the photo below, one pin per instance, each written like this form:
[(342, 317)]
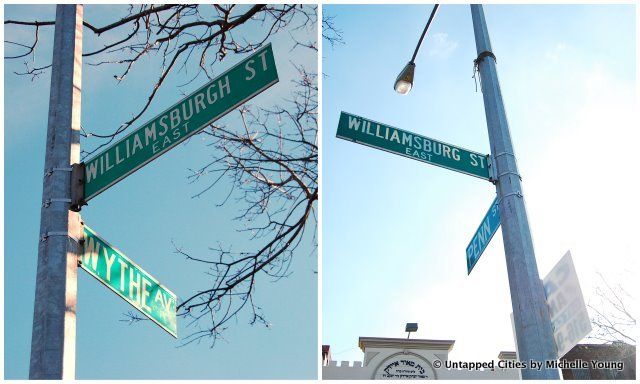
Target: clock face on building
[(404, 367)]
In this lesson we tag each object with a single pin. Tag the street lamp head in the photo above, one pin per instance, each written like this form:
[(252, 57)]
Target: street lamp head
[(404, 81)]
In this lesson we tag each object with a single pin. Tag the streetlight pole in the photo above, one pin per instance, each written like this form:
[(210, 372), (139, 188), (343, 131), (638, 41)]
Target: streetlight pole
[(534, 333), (53, 336)]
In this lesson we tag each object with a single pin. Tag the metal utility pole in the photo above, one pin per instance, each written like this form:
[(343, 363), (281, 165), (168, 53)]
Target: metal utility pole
[(534, 333), (53, 337)]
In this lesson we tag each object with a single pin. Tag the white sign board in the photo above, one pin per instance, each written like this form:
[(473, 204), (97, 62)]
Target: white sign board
[(568, 312)]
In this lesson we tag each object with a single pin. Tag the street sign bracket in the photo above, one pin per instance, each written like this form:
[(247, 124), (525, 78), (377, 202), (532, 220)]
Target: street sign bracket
[(77, 187), (493, 177)]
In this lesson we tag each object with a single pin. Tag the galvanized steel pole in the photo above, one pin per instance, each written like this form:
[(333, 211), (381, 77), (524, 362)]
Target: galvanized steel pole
[(534, 333), (53, 337)]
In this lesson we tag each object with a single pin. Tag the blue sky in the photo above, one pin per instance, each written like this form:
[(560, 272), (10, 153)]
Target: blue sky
[(141, 215), (394, 230)]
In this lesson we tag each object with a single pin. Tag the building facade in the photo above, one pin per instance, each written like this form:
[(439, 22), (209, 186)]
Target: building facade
[(409, 359), (421, 359)]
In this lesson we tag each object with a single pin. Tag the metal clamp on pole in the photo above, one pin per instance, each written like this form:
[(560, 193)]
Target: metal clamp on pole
[(50, 171), (476, 66), (45, 236), (510, 173), (48, 202), (77, 187), (484, 54), (505, 153), (516, 193)]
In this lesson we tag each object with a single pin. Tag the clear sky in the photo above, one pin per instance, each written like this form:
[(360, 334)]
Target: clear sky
[(141, 215), (394, 230)]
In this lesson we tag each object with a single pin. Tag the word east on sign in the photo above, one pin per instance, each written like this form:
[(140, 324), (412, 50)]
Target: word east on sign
[(187, 117), (125, 278)]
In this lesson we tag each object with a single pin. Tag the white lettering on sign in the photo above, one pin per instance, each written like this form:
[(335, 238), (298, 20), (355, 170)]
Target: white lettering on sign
[(163, 131), (415, 146), (123, 268), (91, 252), (128, 281), (134, 284), (145, 293), (483, 236), (109, 263)]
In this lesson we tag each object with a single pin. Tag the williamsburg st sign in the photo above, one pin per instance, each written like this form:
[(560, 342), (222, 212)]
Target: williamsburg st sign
[(180, 121), (404, 143), (187, 117)]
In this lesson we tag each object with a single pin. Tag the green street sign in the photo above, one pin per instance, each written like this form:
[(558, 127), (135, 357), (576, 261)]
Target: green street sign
[(377, 135), (483, 235), (185, 118), (124, 277)]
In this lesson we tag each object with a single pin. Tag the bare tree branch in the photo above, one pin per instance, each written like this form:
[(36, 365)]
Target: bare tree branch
[(177, 33), (330, 33), (270, 165), (612, 321), (267, 163)]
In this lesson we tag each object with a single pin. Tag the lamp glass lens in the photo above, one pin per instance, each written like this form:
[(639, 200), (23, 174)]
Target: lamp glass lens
[(402, 87)]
